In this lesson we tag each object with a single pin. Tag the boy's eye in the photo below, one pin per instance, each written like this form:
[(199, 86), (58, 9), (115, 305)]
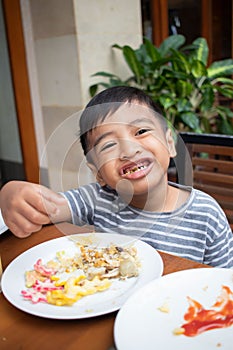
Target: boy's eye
[(142, 131), (107, 146)]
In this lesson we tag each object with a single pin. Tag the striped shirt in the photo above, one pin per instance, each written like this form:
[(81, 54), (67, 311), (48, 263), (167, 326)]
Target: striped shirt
[(198, 230)]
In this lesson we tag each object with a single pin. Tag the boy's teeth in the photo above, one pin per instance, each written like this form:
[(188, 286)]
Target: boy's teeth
[(133, 170)]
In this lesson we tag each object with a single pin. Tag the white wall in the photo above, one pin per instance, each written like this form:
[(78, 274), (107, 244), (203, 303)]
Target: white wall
[(100, 24), (72, 39)]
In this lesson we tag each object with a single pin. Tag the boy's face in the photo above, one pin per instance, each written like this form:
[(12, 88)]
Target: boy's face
[(130, 151)]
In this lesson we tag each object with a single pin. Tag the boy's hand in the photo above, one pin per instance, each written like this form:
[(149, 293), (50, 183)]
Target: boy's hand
[(26, 207)]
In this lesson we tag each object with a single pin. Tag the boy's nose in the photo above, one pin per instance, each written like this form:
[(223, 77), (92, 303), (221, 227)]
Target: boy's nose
[(128, 149)]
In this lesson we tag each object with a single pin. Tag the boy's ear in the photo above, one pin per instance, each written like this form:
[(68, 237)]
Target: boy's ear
[(170, 143), (96, 174)]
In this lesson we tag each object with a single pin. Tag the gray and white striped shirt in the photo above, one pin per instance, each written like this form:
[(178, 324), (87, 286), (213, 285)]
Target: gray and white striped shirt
[(198, 230)]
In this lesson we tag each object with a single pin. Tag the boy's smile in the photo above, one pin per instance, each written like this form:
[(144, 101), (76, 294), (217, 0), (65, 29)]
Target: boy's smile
[(137, 169)]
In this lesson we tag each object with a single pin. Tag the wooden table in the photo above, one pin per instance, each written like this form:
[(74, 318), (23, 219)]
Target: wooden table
[(19, 330)]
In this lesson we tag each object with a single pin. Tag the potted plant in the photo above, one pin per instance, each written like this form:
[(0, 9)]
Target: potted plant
[(179, 80)]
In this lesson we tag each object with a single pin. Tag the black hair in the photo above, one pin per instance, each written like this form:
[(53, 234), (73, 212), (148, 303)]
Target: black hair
[(107, 102)]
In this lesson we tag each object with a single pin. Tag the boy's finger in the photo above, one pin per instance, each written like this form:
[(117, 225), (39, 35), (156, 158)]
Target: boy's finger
[(39, 201), (22, 227), (50, 201), (28, 214), (56, 207)]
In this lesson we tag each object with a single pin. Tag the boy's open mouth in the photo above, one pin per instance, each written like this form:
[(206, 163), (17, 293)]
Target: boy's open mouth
[(135, 167)]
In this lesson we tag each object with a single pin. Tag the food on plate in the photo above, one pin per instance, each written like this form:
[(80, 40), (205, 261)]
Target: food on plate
[(67, 278), (110, 262), (164, 307), (198, 319)]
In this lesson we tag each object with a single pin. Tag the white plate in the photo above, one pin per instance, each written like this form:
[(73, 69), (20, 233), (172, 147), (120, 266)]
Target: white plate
[(100, 303), (140, 325)]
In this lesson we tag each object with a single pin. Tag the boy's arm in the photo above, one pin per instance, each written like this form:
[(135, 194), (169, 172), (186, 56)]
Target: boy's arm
[(26, 207)]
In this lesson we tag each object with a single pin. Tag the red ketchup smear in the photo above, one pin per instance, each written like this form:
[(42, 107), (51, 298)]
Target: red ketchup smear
[(220, 315)]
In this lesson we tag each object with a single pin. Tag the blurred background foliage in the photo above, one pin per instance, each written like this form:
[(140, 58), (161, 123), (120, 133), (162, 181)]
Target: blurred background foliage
[(179, 80)]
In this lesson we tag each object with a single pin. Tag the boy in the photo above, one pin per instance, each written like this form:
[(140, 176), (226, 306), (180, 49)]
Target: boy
[(128, 147)]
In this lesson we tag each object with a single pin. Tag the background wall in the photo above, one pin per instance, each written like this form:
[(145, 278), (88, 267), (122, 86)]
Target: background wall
[(66, 42)]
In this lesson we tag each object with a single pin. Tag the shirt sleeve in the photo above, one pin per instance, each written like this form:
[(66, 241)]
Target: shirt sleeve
[(219, 243), (81, 202)]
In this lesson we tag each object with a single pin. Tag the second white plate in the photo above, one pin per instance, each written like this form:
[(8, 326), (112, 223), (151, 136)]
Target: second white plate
[(140, 324)]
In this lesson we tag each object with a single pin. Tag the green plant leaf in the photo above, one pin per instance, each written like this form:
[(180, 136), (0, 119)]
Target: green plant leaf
[(225, 91), (191, 119), (198, 69), (183, 105), (225, 111), (207, 98), (151, 50), (224, 120), (171, 76), (224, 80), (180, 62), (115, 82), (116, 46), (143, 56), (93, 89), (226, 127), (171, 42), (220, 68), (166, 101), (161, 63), (105, 74), (184, 88), (202, 50), (133, 62)]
